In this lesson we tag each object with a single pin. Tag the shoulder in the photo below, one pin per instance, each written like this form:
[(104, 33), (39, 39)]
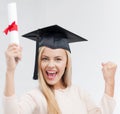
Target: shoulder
[(77, 89), (37, 96), (35, 92)]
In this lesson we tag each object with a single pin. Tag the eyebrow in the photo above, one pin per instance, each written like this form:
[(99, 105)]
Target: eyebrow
[(54, 57), (58, 56)]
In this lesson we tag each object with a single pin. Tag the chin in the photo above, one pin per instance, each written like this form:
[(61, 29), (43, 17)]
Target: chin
[(52, 83)]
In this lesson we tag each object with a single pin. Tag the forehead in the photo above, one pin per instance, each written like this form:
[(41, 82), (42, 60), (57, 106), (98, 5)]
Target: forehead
[(53, 52)]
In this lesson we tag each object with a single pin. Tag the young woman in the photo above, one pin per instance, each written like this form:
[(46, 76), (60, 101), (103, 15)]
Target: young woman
[(55, 94)]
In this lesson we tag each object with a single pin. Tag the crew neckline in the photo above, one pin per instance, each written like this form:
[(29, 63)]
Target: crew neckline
[(62, 90)]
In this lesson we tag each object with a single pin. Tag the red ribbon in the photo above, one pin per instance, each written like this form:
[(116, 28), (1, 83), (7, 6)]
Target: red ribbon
[(12, 27)]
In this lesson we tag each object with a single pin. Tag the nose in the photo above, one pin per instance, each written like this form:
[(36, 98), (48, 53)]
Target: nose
[(51, 64)]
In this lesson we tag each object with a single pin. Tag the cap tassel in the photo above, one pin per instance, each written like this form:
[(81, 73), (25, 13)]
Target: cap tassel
[(35, 77)]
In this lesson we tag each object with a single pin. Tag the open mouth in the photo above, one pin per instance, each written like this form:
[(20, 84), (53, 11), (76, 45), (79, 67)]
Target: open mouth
[(51, 75)]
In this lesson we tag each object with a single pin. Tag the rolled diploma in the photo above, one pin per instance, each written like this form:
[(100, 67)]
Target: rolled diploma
[(12, 16)]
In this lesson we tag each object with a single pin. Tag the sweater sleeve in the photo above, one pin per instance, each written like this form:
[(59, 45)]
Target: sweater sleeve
[(106, 105), (11, 105)]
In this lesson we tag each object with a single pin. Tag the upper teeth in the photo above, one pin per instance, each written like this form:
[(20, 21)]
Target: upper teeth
[(51, 72)]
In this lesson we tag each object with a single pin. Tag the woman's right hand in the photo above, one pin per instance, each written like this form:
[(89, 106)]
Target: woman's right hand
[(13, 55)]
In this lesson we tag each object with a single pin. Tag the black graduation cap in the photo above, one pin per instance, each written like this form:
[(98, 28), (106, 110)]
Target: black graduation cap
[(53, 37)]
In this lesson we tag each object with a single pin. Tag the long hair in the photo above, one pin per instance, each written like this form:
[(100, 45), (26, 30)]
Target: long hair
[(47, 91)]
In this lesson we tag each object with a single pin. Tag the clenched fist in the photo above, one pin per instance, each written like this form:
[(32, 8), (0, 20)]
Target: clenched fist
[(109, 70), (13, 55)]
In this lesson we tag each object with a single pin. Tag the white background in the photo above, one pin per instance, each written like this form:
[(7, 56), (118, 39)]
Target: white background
[(96, 20)]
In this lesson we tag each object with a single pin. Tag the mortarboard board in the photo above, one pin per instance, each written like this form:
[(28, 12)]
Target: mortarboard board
[(53, 37)]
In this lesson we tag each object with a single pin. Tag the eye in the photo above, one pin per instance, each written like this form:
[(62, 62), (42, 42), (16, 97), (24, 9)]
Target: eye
[(44, 59), (58, 59)]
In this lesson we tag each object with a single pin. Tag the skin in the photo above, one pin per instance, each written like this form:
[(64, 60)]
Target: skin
[(109, 70), (14, 55), (53, 64)]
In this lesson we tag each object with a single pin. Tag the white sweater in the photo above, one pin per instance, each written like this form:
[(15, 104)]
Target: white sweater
[(71, 100)]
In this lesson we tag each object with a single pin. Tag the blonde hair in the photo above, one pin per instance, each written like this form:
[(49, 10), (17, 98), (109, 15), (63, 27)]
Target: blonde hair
[(48, 92)]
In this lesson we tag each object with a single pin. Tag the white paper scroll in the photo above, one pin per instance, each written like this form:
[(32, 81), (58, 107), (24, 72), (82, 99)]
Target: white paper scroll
[(12, 16)]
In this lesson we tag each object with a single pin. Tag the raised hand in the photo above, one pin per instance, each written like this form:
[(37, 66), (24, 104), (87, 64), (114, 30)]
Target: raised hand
[(13, 55), (109, 70)]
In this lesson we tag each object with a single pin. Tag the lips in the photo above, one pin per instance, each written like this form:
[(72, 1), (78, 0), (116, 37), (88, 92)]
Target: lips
[(51, 75)]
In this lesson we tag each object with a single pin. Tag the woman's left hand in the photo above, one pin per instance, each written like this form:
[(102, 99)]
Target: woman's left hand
[(109, 70)]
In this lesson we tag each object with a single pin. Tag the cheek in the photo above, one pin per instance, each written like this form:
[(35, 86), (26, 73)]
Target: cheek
[(62, 67), (42, 66)]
